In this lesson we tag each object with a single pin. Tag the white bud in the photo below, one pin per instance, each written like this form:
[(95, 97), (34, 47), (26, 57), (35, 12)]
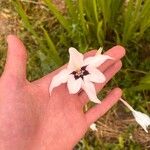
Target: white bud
[(142, 119), (93, 127)]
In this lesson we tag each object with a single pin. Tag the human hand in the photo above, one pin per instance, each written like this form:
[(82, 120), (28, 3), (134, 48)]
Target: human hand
[(32, 119)]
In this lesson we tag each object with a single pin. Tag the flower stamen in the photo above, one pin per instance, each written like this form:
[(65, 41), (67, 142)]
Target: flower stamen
[(80, 73)]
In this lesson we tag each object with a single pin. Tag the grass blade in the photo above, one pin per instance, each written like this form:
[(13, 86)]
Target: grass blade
[(58, 15), (29, 27), (52, 47)]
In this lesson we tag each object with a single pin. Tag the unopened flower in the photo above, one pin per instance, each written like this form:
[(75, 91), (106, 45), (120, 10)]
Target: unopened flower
[(81, 73), (93, 127), (142, 119)]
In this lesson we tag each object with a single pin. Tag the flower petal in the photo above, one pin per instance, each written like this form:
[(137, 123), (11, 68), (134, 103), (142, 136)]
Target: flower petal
[(93, 127), (95, 75), (89, 88), (96, 60), (99, 51), (74, 85), (142, 119), (76, 59), (58, 79)]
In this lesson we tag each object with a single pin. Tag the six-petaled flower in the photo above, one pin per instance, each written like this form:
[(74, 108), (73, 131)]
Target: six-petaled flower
[(81, 74)]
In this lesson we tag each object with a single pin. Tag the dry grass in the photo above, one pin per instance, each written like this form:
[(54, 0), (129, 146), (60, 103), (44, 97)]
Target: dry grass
[(118, 123), (8, 20)]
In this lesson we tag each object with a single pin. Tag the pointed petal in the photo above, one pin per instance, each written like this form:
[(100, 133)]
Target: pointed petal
[(74, 85), (99, 51), (96, 60), (95, 75), (89, 88), (58, 79), (142, 119), (76, 59)]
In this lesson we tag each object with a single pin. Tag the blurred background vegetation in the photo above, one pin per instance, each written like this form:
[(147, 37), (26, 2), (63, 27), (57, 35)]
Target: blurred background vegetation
[(49, 27)]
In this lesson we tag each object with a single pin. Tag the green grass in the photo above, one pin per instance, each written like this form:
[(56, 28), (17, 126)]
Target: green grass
[(87, 24)]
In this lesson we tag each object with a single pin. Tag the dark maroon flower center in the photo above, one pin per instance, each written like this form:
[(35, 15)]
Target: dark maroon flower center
[(80, 73)]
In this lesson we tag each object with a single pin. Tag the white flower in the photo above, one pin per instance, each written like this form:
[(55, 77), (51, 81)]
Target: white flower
[(93, 127), (81, 73), (142, 119)]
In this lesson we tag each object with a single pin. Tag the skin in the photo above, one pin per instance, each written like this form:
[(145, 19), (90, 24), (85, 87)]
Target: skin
[(31, 119)]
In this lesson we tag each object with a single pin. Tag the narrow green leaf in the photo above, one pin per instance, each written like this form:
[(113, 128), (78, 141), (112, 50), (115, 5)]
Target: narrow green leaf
[(24, 17), (81, 16), (29, 27), (146, 79), (57, 14), (100, 33), (72, 11), (91, 10), (142, 87), (52, 48)]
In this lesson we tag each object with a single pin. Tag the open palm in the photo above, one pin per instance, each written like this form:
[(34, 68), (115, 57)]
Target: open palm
[(32, 119)]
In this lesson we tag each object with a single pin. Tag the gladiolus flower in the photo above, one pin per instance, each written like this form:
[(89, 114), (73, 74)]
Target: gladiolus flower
[(142, 119), (81, 73)]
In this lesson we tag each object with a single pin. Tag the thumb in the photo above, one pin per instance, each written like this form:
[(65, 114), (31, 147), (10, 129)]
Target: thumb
[(16, 58)]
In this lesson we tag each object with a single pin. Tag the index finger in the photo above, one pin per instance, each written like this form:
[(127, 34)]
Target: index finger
[(100, 109)]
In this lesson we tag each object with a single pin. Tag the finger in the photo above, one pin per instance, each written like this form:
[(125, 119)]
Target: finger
[(117, 52), (109, 73), (16, 57), (100, 109)]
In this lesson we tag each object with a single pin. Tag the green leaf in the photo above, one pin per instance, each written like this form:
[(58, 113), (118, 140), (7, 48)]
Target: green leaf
[(142, 87), (58, 15), (52, 48), (30, 28), (145, 80)]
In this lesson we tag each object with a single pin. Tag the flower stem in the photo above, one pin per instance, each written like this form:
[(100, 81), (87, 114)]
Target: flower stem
[(126, 104)]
